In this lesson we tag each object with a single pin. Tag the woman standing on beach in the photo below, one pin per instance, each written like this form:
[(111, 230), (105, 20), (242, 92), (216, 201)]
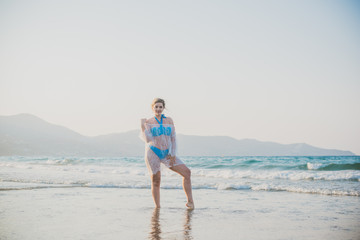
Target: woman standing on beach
[(159, 135)]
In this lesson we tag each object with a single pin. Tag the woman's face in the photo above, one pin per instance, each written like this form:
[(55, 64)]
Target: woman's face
[(158, 108)]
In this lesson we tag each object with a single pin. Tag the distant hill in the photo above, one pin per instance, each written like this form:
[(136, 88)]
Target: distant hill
[(28, 135)]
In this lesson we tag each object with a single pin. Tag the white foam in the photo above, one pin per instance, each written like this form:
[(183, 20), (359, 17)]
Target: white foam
[(314, 166), (229, 186), (296, 189), (293, 175)]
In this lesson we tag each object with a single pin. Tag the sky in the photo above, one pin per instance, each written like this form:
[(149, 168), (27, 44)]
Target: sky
[(279, 71)]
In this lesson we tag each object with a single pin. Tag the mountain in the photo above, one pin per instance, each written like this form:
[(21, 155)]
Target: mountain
[(28, 135)]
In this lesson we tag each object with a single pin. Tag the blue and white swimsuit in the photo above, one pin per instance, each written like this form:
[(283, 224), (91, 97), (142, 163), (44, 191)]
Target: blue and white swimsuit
[(160, 142)]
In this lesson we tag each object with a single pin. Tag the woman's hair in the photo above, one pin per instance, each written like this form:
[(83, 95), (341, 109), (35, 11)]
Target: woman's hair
[(158, 100)]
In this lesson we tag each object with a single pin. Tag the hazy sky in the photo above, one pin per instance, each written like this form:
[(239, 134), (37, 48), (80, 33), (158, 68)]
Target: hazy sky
[(282, 71)]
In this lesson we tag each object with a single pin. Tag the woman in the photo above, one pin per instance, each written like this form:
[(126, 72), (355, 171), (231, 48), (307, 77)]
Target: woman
[(159, 135)]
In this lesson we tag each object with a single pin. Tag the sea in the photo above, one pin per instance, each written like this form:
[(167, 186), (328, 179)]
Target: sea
[(328, 175)]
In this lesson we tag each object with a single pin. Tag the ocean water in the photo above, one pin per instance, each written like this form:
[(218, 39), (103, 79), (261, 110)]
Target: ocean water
[(328, 175)]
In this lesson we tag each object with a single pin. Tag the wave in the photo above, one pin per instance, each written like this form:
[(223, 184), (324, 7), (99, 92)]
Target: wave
[(221, 186), (307, 190), (219, 163), (293, 175), (29, 171), (307, 166), (333, 166)]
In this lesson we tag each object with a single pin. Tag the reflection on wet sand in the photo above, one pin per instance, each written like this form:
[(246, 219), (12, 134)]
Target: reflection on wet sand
[(187, 224), (155, 231)]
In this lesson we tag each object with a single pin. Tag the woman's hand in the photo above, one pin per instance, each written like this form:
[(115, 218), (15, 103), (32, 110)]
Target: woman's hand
[(172, 160)]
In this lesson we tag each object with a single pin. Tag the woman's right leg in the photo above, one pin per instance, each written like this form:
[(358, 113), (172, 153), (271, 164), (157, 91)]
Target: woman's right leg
[(155, 188), (153, 164)]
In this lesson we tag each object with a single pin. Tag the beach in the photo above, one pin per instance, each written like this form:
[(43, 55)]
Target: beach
[(107, 213), (235, 198)]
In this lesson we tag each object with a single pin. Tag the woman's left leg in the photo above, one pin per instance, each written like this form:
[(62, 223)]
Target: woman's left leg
[(184, 171)]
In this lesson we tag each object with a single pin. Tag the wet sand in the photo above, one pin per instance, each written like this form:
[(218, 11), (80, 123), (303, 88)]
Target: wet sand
[(120, 213)]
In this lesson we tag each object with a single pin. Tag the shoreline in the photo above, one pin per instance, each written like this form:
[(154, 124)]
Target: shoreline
[(7, 186)]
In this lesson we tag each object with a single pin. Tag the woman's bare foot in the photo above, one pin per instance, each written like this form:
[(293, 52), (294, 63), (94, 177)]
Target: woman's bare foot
[(190, 205)]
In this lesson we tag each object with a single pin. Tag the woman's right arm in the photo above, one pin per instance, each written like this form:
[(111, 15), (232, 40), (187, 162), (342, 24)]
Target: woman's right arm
[(145, 133), (143, 121)]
